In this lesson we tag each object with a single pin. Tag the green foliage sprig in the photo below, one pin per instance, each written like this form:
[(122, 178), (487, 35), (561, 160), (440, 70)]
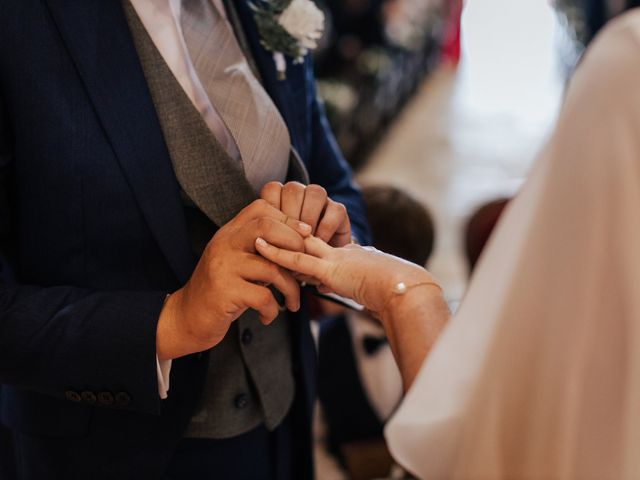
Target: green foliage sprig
[(273, 36)]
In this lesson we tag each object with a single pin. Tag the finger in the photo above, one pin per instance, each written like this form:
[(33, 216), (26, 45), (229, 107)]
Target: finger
[(334, 227), (291, 199), (315, 200), (262, 301), (272, 192), (262, 209), (294, 261), (258, 269), (275, 232), (301, 228), (316, 247)]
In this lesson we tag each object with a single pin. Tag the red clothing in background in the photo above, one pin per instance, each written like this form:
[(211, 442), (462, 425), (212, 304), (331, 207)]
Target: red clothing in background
[(451, 41)]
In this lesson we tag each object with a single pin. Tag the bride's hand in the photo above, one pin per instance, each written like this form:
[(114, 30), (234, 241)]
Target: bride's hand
[(364, 274), (412, 321)]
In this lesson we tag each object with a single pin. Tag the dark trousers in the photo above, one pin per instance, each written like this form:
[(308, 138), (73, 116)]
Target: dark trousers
[(256, 455), (7, 455)]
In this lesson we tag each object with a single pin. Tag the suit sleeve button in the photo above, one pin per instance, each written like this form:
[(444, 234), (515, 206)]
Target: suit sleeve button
[(247, 337), (106, 399), (89, 397), (73, 396), (241, 401), (123, 399)]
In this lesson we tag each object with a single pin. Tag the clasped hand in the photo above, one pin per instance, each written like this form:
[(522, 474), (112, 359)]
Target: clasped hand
[(364, 274), (231, 276)]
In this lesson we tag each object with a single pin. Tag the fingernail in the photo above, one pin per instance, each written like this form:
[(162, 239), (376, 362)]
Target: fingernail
[(295, 306), (304, 227), (260, 242)]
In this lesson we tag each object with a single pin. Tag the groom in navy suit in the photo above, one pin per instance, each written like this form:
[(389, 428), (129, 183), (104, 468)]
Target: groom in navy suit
[(122, 261)]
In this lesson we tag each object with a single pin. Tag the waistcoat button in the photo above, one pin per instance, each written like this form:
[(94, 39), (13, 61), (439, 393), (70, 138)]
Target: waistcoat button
[(241, 401), (247, 337)]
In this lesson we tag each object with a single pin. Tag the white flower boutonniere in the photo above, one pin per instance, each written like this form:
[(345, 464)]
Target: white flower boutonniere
[(288, 27)]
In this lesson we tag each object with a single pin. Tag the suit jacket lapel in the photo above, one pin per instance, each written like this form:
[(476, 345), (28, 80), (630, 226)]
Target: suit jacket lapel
[(98, 39)]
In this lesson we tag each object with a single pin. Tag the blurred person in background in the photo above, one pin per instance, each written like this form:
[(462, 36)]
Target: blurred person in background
[(479, 228), (537, 375), (359, 382)]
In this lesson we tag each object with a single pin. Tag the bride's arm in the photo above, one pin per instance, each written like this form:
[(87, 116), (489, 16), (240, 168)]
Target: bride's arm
[(413, 322), (413, 319)]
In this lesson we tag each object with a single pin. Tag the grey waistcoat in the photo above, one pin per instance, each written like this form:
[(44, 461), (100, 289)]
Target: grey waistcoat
[(249, 380)]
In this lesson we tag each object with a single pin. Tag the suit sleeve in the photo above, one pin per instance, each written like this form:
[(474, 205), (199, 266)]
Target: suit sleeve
[(64, 339), (6, 157), (327, 166)]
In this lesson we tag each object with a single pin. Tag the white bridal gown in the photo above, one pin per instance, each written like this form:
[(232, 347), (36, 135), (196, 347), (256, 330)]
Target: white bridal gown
[(538, 375)]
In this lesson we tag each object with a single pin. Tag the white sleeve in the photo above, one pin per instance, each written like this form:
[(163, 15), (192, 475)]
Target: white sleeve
[(163, 368)]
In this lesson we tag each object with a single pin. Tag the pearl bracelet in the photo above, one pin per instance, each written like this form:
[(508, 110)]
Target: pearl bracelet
[(401, 288)]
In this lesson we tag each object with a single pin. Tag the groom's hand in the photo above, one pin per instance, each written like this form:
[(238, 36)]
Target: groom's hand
[(229, 279), (328, 219)]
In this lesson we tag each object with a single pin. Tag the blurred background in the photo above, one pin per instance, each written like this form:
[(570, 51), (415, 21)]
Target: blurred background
[(450, 102), (441, 108)]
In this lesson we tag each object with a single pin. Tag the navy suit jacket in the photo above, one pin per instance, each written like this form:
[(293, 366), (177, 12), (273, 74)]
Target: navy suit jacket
[(93, 235)]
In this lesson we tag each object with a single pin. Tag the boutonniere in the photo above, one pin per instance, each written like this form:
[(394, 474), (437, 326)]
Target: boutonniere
[(288, 27)]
